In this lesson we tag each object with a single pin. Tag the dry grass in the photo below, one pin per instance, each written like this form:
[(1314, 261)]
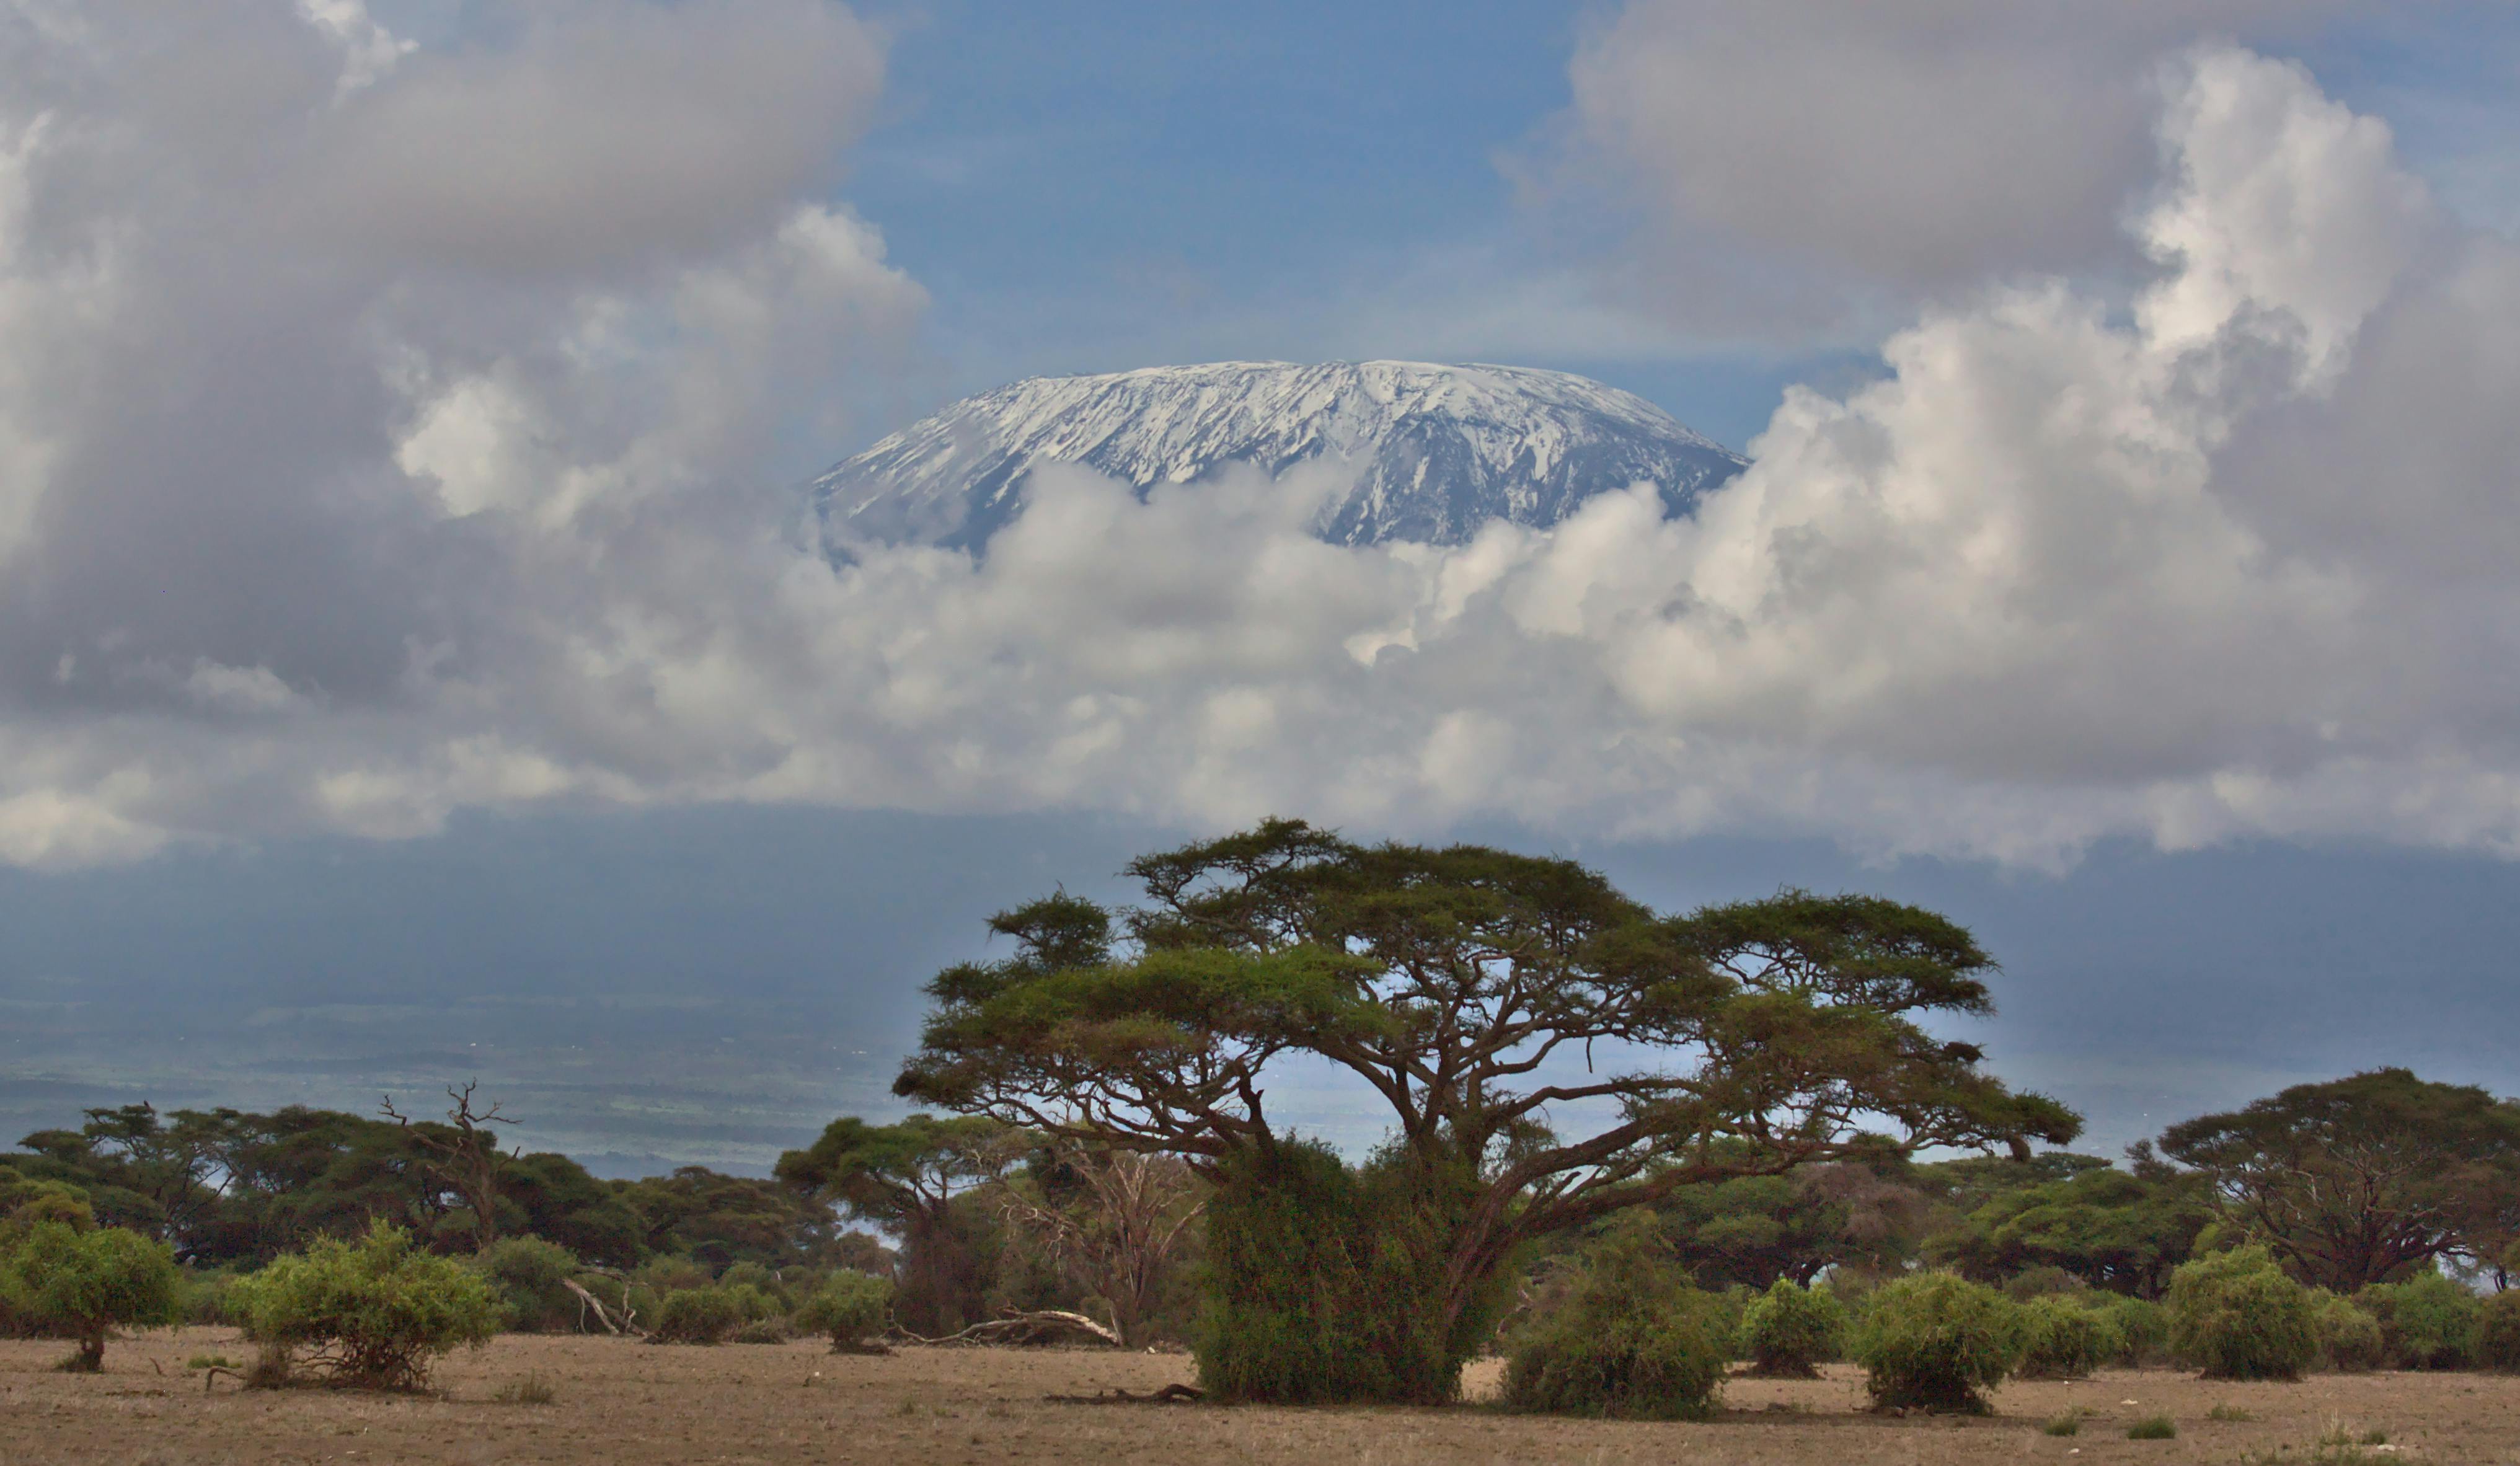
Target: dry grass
[(799, 1403)]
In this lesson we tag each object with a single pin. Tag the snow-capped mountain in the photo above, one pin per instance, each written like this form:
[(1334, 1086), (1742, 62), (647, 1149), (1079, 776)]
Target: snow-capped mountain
[(1438, 451)]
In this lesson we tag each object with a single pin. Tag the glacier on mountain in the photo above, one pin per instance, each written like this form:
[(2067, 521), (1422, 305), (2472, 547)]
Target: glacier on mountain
[(1436, 451)]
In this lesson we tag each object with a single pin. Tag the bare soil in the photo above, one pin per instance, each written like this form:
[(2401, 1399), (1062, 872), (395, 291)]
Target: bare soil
[(628, 1403)]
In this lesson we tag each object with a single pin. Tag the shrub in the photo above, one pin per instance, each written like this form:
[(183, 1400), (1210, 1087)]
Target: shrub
[(2063, 1425), (531, 1276), (850, 1308), (1934, 1341), (204, 1296), (2427, 1322), (2153, 1428), (2143, 1330), (1790, 1329), (2348, 1339), (64, 1283), (772, 1330), (374, 1313), (2498, 1332), (1632, 1341), (699, 1316), (2235, 1316), (2062, 1340), (762, 1281)]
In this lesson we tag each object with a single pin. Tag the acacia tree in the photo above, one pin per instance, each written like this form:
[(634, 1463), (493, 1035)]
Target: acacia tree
[(917, 1179), (1478, 993), (2355, 1180), (464, 1156)]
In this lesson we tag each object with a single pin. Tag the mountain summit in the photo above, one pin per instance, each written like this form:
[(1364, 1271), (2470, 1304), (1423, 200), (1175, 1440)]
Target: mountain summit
[(1438, 449)]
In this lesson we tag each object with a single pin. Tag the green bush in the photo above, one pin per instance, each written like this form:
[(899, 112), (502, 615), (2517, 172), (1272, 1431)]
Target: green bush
[(1317, 1279), (204, 1295), (374, 1313), (2498, 1332), (2234, 1316), (851, 1310), (700, 1315), (2064, 1340), (64, 1283), (1631, 1341), (2350, 1339), (1791, 1330), (532, 1277), (2143, 1330), (1935, 1340), (2153, 1428), (772, 1330), (2042, 1282), (2427, 1322), (761, 1281)]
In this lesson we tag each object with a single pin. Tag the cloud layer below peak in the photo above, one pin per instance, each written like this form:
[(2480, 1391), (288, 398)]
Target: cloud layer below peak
[(312, 517)]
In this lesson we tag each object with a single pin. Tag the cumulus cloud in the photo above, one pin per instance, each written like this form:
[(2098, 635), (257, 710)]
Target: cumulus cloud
[(1805, 162), (304, 537)]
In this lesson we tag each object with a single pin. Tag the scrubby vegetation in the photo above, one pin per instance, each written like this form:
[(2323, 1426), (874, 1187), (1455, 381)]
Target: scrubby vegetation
[(374, 1313), (1790, 1331), (2235, 1316), (1108, 1174), (1938, 1342), (1631, 1340)]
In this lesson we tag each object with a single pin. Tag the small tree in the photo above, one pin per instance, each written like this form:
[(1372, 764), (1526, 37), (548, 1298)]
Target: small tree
[(2235, 1316), (2065, 1340), (1790, 1329), (84, 1286), (851, 1310), (2143, 1330), (1935, 1340), (918, 1179), (374, 1313), (1632, 1341), (464, 1155)]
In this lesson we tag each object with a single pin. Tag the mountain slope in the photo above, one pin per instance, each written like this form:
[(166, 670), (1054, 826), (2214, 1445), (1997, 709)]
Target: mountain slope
[(1438, 451)]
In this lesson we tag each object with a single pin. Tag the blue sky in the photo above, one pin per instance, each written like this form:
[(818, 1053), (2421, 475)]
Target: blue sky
[(403, 672)]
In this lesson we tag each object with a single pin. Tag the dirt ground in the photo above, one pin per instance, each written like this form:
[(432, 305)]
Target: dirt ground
[(628, 1403)]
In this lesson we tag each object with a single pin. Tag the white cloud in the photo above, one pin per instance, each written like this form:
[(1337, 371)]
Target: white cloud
[(1805, 164), (485, 527)]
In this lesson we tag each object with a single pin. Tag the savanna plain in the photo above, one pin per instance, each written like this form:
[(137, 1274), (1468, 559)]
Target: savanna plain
[(613, 1400)]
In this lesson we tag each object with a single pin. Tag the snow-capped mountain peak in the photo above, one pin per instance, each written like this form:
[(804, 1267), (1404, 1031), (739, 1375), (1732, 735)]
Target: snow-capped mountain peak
[(1437, 450)]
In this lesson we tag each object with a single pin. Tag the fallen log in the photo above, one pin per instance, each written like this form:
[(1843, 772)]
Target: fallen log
[(1035, 1326), (1168, 1395)]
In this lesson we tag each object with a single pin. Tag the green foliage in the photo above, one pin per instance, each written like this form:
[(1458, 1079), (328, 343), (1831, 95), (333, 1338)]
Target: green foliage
[(2153, 1428), (700, 1315), (1791, 1330), (2063, 1425), (2143, 1330), (532, 1277), (2498, 1332), (374, 1313), (2426, 1323), (2109, 1228), (914, 1179), (2352, 1182), (2235, 1315), (851, 1310), (1935, 1340), (1318, 1273), (2065, 1340), (1630, 1341), (63, 1283), (1434, 974), (2349, 1338)]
